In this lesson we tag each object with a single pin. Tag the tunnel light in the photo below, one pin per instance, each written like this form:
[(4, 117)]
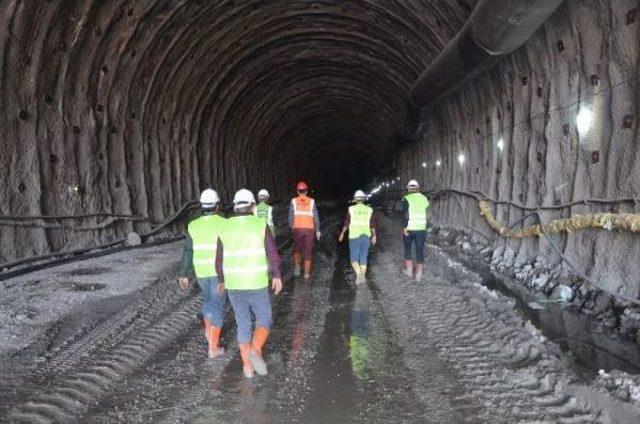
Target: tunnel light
[(424, 164), (398, 179), (461, 159), (500, 144), (584, 120), (438, 163)]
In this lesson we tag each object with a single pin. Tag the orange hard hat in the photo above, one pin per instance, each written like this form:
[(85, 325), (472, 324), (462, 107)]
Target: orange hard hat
[(302, 186)]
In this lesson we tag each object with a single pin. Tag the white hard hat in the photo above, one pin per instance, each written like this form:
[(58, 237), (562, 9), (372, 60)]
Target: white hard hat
[(359, 195), (263, 194), (413, 183), (209, 197), (243, 196)]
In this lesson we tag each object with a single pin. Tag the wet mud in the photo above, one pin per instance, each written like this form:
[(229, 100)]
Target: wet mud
[(586, 344), (359, 375), (390, 350)]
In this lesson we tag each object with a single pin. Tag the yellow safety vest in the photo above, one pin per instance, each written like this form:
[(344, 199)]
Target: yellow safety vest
[(204, 233), (360, 220), (245, 262), (418, 204)]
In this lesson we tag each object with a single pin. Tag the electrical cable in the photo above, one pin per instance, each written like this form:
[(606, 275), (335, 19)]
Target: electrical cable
[(541, 227), (170, 220)]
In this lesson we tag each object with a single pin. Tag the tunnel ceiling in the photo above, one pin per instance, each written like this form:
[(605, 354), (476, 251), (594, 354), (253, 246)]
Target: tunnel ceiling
[(212, 92)]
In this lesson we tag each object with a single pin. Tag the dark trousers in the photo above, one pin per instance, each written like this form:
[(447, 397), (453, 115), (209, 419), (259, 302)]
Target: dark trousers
[(417, 237), (303, 241)]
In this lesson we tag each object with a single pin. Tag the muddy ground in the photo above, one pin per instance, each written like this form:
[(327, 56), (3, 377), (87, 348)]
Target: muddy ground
[(447, 350)]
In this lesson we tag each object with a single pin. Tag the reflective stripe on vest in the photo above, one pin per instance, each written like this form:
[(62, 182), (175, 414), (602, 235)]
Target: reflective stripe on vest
[(245, 262), (418, 204), (303, 213), (359, 221), (204, 232)]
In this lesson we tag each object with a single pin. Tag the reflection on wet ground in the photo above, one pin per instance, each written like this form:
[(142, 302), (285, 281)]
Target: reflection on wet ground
[(359, 374), (356, 375)]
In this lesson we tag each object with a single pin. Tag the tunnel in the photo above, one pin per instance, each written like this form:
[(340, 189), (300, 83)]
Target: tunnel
[(135, 107), (518, 118)]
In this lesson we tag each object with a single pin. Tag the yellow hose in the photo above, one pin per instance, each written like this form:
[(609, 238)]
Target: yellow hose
[(609, 221)]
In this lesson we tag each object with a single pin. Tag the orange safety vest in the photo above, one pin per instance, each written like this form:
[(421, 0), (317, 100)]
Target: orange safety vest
[(303, 213)]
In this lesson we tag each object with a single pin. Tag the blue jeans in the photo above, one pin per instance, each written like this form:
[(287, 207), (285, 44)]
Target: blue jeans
[(359, 249), (213, 304), (244, 302), (417, 237)]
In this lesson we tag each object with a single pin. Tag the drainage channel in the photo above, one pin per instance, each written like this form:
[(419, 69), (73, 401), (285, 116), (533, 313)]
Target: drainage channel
[(359, 375), (587, 346)]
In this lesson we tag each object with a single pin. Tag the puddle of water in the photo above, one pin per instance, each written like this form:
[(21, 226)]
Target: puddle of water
[(588, 347), (75, 286), (87, 271), (359, 375)]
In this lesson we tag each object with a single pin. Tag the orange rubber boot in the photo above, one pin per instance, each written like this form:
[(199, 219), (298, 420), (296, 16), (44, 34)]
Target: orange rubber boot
[(260, 336), (214, 337), (247, 368), (307, 270), (207, 329), (296, 264)]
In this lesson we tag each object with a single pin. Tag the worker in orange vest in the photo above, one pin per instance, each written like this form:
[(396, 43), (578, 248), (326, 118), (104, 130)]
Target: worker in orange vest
[(305, 224)]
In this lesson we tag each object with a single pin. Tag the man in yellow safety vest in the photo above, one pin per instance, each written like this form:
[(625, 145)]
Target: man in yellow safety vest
[(200, 248), (414, 215), (248, 254), (362, 234), (265, 210)]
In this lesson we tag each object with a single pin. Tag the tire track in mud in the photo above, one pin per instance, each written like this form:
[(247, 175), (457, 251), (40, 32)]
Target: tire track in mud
[(110, 329), (507, 373), (90, 367), (117, 399)]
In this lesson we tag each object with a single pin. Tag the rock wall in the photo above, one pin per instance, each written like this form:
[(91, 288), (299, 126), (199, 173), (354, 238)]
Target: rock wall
[(133, 107), (516, 128)]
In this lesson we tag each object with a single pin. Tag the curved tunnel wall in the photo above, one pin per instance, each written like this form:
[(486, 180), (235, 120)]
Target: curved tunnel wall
[(135, 106), (585, 56)]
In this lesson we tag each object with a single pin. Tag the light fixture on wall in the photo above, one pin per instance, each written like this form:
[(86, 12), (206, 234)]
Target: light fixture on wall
[(584, 120), (438, 163), (500, 144), (461, 159), (424, 164)]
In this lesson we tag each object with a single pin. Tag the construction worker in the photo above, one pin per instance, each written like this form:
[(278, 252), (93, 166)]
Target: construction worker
[(246, 255), (200, 248), (264, 210), (362, 234), (414, 219), (305, 224)]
